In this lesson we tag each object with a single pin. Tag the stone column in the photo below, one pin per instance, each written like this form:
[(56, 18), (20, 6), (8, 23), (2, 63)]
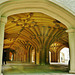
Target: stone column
[(2, 27), (59, 56), (47, 56), (37, 57), (43, 56), (52, 56), (28, 56), (56, 57), (71, 33)]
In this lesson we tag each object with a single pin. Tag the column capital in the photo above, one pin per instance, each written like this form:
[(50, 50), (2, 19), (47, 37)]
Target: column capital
[(3, 19), (72, 30)]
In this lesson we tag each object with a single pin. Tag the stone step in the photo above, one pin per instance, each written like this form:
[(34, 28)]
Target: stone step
[(43, 74)]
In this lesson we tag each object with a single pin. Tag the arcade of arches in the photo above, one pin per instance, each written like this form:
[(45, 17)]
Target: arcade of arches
[(32, 35)]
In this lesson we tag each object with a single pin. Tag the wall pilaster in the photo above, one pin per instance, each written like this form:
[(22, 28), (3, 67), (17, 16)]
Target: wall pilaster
[(71, 33), (3, 20)]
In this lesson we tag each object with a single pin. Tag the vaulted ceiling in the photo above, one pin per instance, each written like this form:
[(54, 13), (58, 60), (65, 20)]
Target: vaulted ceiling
[(35, 30)]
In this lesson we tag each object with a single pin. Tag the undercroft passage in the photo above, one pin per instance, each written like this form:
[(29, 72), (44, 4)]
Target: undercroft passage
[(34, 38)]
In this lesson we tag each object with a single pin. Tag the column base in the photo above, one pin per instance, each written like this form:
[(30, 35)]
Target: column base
[(72, 72), (42, 64), (47, 64)]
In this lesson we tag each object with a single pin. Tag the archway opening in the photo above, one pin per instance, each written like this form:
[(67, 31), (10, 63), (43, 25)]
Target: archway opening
[(59, 54), (30, 36), (64, 56)]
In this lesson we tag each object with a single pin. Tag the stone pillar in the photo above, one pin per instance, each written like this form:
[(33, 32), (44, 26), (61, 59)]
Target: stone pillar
[(14, 57), (71, 33), (52, 56), (59, 56), (2, 27), (28, 56), (47, 56), (37, 57), (42, 56)]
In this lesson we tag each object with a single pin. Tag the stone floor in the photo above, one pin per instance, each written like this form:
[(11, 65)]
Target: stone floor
[(40, 74), (20, 68)]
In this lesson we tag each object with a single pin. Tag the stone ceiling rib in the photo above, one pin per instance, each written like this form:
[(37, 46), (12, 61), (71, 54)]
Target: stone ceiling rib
[(38, 29)]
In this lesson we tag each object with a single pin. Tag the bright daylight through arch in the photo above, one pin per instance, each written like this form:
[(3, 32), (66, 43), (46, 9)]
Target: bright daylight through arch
[(64, 55)]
